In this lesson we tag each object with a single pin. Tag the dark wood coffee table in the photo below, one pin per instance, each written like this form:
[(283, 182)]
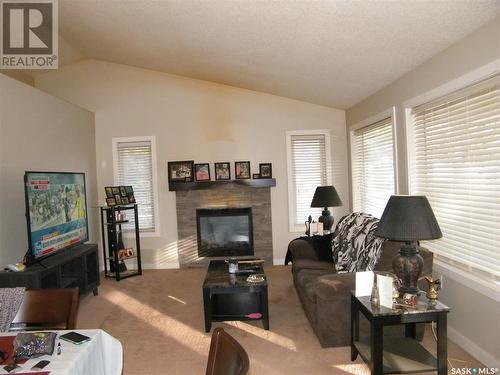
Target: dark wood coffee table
[(231, 297)]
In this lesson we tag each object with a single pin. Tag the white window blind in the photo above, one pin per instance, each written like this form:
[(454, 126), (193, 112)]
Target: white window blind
[(308, 168), (455, 162), (135, 168), (372, 155)]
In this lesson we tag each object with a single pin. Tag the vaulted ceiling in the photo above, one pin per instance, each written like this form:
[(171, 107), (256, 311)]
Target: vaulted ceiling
[(329, 52)]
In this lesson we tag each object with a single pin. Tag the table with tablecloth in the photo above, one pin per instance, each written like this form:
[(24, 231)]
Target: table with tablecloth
[(103, 354)]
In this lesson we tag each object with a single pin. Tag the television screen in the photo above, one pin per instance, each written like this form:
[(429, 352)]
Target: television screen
[(56, 211)]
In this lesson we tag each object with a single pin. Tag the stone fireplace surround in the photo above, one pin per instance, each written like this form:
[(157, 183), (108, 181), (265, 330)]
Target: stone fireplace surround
[(223, 195)]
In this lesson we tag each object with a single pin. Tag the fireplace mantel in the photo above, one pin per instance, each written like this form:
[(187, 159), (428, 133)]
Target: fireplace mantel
[(256, 183)]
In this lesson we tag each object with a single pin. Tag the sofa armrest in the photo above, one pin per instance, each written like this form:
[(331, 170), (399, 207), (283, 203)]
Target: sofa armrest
[(301, 249)]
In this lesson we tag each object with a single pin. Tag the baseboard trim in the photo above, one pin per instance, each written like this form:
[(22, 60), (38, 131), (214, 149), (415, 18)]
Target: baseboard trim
[(278, 261), (160, 266), (473, 349)]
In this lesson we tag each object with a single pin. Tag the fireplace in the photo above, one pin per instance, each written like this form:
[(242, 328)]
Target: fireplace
[(224, 232)]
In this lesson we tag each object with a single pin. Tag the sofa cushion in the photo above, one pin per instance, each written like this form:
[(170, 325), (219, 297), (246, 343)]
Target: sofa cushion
[(355, 247)]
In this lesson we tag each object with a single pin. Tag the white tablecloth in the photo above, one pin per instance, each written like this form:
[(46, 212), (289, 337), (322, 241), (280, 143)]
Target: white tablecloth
[(103, 354)]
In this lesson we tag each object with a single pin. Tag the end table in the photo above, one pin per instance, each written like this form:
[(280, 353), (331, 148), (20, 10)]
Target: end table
[(404, 354)]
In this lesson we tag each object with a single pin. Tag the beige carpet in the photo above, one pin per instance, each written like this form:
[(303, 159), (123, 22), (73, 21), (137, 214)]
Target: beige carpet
[(158, 317)]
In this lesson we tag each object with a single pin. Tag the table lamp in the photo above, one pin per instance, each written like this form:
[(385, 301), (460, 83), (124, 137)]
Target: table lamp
[(408, 218), (326, 196)]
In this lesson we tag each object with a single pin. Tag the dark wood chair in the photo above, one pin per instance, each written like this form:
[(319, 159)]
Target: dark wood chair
[(226, 356), (46, 309)]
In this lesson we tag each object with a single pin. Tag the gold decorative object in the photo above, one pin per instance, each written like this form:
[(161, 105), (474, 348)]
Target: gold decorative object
[(434, 286)]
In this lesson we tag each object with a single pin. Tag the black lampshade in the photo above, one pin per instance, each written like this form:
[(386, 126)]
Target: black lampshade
[(326, 196), (408, 218)]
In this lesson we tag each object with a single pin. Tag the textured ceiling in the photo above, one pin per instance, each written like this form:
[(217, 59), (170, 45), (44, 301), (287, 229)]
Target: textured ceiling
[(329, 52)]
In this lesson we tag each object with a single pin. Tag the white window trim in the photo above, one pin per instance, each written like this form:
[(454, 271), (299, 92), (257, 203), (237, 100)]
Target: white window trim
[(292, 227), (483, 286), (390, 112), (152, 139)]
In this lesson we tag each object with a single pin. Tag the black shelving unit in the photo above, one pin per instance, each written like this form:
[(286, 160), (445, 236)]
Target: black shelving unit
[(111, 230)]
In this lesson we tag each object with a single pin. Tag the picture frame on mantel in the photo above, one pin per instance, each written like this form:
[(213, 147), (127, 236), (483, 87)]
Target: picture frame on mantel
[(181, 171), (223, 171), (202, 172), (242, 170), (266, 170)]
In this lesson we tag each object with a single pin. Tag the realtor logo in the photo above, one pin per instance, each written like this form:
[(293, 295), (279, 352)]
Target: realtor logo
[(29, 34)]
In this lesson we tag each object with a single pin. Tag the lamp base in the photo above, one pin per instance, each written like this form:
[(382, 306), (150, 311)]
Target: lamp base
[(327, 219), (408, 265)]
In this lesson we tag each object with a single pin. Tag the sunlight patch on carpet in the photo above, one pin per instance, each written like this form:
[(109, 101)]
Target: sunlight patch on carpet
[(272, 337), (177, 300), (353, 368), (162, 323)]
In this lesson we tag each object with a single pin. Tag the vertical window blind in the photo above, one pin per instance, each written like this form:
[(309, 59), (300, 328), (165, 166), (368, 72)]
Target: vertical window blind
[(308, 170), (372, 152), (135, 168), (455, 162)]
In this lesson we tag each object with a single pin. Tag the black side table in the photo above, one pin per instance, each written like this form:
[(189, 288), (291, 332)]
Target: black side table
[(402, 354)]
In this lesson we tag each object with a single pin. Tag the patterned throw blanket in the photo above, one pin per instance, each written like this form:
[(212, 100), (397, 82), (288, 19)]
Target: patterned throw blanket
[(10, 302), (355, 247)]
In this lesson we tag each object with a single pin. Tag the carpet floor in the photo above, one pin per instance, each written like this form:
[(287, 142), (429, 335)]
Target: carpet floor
[(158, 318)]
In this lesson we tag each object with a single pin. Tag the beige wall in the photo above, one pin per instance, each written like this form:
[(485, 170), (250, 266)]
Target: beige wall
[(39, 132), (474, 316), (195, 120)]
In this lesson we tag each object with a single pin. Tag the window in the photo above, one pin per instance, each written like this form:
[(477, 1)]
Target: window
[(372, 155), (135, 164), (308, 154), (455, 161)]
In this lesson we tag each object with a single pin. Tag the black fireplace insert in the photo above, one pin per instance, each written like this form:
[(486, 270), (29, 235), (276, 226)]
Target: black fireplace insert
[(224, 232)]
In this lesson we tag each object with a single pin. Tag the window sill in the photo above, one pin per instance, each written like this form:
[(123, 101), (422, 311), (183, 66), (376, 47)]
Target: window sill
[(488, 288)]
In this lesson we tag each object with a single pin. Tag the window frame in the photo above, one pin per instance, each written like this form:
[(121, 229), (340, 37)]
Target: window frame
[(484, 286), (115, 141), (292, 227), (372, 120)]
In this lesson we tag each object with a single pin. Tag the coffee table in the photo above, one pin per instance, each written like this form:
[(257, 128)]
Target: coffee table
[(231, 297)]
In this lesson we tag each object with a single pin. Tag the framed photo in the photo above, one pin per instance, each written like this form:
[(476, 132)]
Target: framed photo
[(256, 176), (115, 190), (202, 172), (118, 199), (123, 191), (111, 202), (223, 171), (129, 189), (131, 198), (125, 200), (242, 170), (181, 171), (266, 170), (109, 192)]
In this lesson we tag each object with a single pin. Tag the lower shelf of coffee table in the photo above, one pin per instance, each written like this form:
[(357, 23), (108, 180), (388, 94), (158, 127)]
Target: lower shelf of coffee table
[(401, 355)]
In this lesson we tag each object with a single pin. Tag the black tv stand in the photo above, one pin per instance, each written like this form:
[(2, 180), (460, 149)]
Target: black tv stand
[(78, 266)]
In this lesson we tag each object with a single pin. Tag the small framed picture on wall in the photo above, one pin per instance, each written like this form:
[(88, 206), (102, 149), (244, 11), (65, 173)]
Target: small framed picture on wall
[(266, 170), (181, 171), (202, 172), (223, 171), (242, 170)]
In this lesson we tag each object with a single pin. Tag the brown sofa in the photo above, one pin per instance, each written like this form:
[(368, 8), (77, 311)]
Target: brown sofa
[(325, 294)]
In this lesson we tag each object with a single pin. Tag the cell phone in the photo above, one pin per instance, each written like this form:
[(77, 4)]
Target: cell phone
[(40, 365), (75, 337), (12, 368)]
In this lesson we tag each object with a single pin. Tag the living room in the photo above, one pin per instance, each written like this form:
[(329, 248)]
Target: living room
[(222, 81)]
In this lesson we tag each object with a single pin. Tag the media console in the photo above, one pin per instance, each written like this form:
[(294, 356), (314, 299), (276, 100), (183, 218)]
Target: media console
[(78, 267)]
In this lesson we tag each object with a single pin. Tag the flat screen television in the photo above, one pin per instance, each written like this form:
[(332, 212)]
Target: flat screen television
[(56, 212)]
